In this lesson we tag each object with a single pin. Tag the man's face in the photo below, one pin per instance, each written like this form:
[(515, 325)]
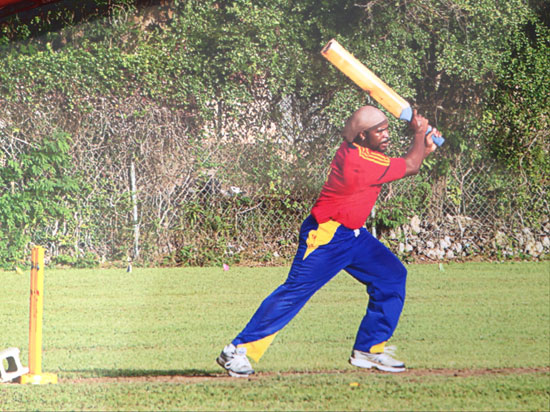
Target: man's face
[(376, 138)]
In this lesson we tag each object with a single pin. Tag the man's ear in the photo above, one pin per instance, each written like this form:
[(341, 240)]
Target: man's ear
[(357, 138)]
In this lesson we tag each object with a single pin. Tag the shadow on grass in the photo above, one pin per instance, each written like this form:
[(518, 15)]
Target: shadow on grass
[(139, 373)]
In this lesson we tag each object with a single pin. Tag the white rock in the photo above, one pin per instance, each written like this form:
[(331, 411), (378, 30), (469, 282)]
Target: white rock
[(444, 243), (528, 235), (430, 253), (501, 239), (415, 224), (531, 248)]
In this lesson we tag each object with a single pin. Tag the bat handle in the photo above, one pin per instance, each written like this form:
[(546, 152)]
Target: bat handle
[(407, 114), (437, 140)]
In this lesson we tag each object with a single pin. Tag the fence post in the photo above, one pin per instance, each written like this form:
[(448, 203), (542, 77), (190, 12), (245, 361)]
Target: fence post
[(133, 190), (373, 215)]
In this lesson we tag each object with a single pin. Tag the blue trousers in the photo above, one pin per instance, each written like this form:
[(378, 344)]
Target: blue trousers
[(323, 251)]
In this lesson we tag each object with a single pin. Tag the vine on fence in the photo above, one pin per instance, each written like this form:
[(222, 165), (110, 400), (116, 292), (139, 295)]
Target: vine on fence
[(41, 195), (231, 119)]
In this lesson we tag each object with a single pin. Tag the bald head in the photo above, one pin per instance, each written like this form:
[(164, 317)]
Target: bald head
[(363, 119)]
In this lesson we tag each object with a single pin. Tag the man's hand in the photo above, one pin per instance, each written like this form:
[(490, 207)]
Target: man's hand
[(419, 124), (422, 145), (430, 145)]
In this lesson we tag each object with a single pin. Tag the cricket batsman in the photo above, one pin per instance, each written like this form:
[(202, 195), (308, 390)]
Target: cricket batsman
[(333, 238)]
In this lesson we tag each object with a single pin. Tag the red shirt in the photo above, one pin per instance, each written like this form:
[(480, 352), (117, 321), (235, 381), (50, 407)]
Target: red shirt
[(353, 185)]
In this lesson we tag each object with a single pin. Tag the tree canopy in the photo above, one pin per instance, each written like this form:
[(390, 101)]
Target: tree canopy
[(479, 70)]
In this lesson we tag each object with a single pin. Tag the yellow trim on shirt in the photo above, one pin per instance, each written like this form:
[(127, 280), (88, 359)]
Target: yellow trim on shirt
[(373, 156)]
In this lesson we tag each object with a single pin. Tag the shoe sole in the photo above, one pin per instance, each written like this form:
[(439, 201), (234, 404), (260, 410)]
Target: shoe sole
[(365, 364), (221, 362), (239, 375)]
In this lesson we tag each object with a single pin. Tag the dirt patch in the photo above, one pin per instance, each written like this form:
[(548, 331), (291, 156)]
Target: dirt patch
[(460, 373)]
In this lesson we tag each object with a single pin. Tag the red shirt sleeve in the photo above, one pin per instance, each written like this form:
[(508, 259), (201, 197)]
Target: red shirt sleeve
[(395, 171)]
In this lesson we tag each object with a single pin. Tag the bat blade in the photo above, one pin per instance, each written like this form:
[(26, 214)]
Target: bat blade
[(369, 82)]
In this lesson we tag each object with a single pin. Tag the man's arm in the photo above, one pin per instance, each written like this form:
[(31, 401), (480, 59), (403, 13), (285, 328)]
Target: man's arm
[(422, 145)]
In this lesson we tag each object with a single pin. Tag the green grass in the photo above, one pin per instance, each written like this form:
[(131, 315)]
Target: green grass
[(472, 318)]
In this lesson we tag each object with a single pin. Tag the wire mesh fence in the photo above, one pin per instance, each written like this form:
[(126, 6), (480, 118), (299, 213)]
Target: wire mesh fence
[(236, 188), (474, 212)]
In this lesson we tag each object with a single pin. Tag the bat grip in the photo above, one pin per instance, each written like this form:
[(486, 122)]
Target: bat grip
[(437, 140), (407, 114)]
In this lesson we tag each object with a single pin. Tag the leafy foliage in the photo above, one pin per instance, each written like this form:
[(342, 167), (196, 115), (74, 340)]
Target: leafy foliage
[(519, 113), (162, 82), (37, 192)]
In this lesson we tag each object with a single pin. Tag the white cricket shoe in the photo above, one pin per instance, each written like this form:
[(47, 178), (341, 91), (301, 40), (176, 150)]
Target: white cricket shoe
[(382, 361), (234, 360)]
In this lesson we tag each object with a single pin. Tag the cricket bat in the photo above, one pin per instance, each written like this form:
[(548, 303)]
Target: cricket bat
[(371, 83)]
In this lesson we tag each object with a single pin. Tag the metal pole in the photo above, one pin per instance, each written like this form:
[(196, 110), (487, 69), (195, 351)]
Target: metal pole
[(373, 215), (135, 208)]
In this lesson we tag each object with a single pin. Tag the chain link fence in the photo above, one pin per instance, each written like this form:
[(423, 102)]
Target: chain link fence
[(473, 212), (235, 189)]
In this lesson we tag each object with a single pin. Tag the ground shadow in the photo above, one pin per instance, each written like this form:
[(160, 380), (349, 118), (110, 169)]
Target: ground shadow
[(140, 375), (144, 373), (186, 376)]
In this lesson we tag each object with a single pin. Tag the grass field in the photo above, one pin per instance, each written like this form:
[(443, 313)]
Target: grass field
[(475, 336)]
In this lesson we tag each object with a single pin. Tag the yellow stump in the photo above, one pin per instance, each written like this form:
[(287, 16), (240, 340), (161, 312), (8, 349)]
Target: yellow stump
[(35, 375)]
